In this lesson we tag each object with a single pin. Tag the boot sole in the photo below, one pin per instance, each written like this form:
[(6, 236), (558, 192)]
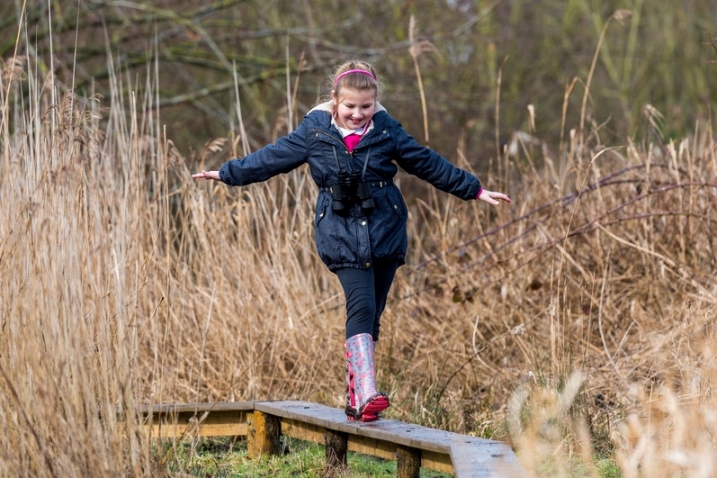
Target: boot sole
[(376, 404), (371, 410)]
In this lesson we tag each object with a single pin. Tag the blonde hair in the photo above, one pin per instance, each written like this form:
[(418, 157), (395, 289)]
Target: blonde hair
[(357, 75)]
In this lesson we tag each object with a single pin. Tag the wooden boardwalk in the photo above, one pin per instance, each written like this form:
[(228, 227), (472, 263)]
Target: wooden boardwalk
[(263, 423)]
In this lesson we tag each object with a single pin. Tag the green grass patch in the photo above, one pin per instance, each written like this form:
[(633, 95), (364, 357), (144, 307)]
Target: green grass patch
[(224, 458)]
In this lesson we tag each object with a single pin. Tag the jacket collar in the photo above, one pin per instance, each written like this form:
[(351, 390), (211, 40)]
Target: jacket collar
[(321, 115), (328, 107)]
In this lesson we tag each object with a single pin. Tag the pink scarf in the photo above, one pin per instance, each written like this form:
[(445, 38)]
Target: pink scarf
[(351, 141)]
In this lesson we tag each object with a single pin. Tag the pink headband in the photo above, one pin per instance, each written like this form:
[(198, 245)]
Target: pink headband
[(363, 72)]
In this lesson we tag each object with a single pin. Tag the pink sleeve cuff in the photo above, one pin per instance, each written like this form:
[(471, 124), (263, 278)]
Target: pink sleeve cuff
[(480, 190)]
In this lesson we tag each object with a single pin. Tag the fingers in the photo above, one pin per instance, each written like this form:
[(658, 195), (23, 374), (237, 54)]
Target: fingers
[(491, 197), (207, 175), (501, 196)]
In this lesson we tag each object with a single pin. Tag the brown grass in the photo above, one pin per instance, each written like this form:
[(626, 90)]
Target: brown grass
[(577, 321)]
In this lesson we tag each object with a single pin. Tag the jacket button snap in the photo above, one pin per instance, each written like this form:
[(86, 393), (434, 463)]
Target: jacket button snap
[(395, 207), (368, 264), (363, 223), (321, 215)]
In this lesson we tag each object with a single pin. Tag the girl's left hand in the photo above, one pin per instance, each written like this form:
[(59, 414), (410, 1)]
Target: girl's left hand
[(207, 175), (492, 196)]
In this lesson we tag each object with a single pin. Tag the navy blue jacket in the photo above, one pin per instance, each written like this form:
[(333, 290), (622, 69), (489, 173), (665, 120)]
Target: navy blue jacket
[(358, 239)]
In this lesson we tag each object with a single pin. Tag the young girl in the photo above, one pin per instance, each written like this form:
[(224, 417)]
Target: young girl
[(352, 146)]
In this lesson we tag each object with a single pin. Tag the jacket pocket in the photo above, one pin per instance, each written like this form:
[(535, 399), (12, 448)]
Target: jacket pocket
[(396, 203), (336, 239), (320, 214)]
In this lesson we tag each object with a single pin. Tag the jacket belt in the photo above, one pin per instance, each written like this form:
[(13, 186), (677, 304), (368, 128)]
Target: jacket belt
[(373, 184)]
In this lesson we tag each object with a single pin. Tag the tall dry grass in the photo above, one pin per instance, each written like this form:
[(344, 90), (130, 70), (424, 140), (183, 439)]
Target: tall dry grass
[(579, 321)]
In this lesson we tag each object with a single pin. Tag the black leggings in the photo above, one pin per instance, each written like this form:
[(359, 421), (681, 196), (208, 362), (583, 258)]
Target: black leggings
[(366, 291)]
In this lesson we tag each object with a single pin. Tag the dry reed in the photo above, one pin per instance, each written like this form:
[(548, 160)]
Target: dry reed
[(576, 321)]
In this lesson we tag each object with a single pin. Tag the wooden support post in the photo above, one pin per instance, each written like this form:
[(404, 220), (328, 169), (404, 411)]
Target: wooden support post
[(337, 446), (408, 463), (264, 435)]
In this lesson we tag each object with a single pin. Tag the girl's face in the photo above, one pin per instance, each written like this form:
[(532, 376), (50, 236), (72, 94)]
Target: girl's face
[(354, 108)]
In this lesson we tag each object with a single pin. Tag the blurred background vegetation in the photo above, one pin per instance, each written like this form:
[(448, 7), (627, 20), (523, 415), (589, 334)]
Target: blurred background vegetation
[(485, 63)]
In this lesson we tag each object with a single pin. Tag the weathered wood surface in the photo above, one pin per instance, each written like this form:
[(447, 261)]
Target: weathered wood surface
[(477, 458), (410, 445), (201, 419), (470, 457), (264, 437), (216, 407)]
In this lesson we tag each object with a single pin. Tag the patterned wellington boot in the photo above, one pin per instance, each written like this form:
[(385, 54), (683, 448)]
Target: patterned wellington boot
[(363, 401), (350, 397)]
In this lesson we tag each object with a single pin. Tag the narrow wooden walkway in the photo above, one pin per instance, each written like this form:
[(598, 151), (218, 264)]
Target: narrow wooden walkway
[(263, 423)]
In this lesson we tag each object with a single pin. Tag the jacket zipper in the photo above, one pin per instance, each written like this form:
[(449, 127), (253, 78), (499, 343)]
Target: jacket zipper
[(332, 137), (316, 130)]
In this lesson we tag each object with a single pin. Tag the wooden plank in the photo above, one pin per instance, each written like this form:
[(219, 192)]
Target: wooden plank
[(175, 430), (172, 421), (373, 447), (196, 408), (264, 435), (437, 462), (412, 436), (470, 457), (476, 458), (302, 431), (462, 455)]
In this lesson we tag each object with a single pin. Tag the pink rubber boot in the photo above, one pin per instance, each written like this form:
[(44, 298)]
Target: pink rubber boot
[(363, 401), (350, 397)]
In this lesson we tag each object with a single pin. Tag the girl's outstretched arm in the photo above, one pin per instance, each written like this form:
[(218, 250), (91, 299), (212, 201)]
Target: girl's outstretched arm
[(207, 175), (491, 197)]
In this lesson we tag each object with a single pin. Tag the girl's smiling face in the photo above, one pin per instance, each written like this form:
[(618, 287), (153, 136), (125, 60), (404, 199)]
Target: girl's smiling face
[(354, 108)]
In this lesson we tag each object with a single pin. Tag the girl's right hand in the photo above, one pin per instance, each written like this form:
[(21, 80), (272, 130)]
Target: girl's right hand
[(214, 175)]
